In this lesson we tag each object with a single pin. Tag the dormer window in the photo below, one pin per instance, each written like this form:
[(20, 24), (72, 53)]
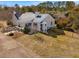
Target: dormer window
[(29, 24)]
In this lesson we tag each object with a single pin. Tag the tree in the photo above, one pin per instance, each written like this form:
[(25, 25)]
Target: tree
[(16, 5), (47, 4), (70, 5), (30, 9), (59, 5), (62, 22), (26, 30), (17, 8), (24, 9), (34, 8), (5, 7)]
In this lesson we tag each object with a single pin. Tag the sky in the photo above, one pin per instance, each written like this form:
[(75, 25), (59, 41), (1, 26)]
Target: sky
[(23, 3)]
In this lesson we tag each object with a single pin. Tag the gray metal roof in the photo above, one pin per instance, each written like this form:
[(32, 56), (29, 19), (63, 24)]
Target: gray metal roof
[(29, 16), (26, 17)]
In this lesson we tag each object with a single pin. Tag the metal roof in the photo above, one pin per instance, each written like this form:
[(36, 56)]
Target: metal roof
[(29, 16), (26, 17)]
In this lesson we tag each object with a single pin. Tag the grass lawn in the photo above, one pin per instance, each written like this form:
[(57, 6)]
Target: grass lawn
[(49, 46)]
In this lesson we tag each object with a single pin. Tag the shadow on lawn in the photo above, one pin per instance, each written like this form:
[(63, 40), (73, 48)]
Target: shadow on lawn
[(54, 32)]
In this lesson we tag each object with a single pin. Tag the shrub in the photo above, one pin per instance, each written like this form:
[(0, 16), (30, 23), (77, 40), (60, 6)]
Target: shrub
[(26, 30), (9, 23)]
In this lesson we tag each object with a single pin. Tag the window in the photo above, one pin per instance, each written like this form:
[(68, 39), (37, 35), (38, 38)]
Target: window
[(29, 24), (35, 23), (45, 24)]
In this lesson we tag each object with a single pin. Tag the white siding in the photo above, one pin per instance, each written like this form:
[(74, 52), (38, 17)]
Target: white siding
[(14, 20), (49, 19)]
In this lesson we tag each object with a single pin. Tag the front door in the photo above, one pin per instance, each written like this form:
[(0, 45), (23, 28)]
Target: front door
[(44, 27), (35, 27)]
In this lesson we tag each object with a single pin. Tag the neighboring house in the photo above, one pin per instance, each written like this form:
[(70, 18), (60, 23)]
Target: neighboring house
[(34, 21)]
